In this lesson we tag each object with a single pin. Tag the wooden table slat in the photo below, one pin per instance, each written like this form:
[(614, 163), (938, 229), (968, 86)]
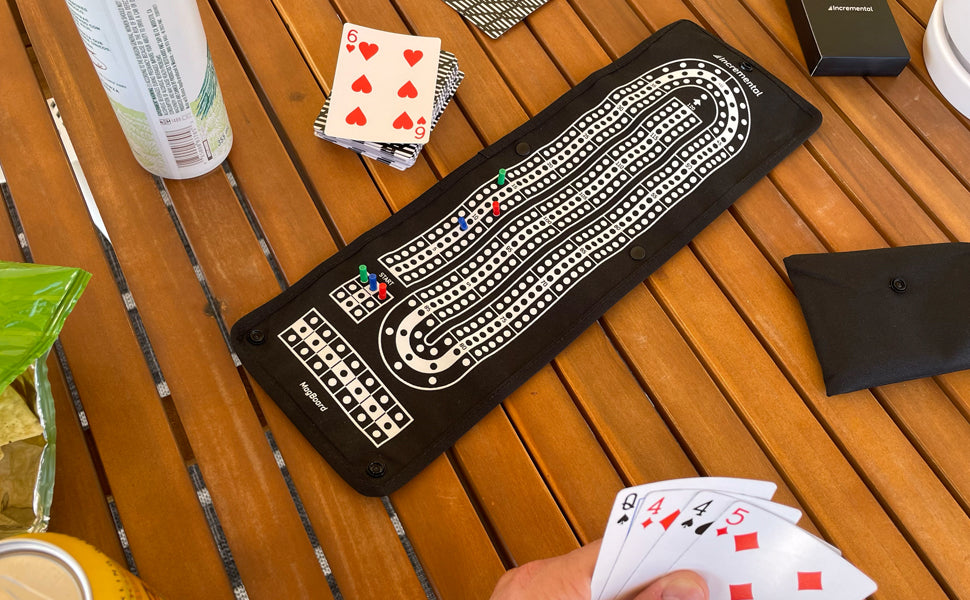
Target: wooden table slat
[(813, 193), (294, 100), (218, 232), (262, 167), (566, 40), (448, 536), (788, 430), (139, 452), (689, 399), (536, 528), (577, 470), (835, 144), (920, 408), (172, 308), (872, 440), (622, 414), (527, 70), (913, 157), (79, 506), (920, 8), (615, 24)]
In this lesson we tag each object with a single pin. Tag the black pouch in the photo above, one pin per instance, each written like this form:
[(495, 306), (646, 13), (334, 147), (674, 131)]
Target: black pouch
[(883, 316), (601, 188)]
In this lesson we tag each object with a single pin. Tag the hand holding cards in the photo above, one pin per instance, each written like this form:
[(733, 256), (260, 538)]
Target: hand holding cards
[(727, 530)]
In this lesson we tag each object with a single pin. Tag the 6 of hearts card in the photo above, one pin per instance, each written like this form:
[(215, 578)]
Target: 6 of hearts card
[(384, 86)]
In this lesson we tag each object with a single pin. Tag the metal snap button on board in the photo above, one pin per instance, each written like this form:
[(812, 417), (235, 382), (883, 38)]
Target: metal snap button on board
[(256, 337), (746, 66), (638, 253), (898, 285), (376, 469), (523, 149)]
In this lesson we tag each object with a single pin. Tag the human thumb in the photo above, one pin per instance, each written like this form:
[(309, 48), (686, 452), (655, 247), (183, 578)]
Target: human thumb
[(679, 585)]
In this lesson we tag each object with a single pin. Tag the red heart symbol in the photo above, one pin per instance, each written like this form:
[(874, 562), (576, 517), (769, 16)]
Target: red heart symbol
[(361, 85), (350, 47), (408, 91), (413, 56), (421, 121), (356, 117), (403, 122), (368, 50)]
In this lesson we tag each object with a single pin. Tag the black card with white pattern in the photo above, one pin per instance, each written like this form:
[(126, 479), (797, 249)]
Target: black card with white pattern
[(394, 347), (495, 17)]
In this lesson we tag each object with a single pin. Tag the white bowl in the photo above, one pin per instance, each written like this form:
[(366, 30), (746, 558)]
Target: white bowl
[(946, 36)]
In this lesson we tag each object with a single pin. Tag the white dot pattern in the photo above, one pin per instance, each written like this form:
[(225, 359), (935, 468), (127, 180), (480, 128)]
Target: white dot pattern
[(346, 379), (358, 300), (574, 203)]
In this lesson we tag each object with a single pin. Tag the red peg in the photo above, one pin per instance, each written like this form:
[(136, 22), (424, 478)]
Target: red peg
[(382, 291), (495, 208)]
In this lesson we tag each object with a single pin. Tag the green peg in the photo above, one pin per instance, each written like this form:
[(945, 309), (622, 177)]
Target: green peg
[(363, 273), (501, 176)]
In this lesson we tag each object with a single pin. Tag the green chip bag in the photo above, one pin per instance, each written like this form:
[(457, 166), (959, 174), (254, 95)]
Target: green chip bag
[(34, 302)]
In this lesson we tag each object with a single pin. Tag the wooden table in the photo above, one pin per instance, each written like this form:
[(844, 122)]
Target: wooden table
[(706, 368)]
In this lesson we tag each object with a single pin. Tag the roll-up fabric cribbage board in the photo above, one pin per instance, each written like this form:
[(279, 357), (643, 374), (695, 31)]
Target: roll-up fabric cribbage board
[(484, 283)]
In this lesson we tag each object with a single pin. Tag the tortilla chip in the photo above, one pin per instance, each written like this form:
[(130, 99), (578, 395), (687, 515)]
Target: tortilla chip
[(10, 524), (17, 421), (18, 474)]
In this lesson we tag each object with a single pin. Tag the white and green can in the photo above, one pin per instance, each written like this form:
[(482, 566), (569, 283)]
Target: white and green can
[(155, 66)]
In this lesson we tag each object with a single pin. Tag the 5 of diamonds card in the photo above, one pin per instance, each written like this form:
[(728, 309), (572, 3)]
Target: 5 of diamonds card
[(383, 88), (750, 553)]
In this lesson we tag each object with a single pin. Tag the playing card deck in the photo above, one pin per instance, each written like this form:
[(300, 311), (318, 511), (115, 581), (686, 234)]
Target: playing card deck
[(495, 17), (745, 546), (383, 88), (402, 156)]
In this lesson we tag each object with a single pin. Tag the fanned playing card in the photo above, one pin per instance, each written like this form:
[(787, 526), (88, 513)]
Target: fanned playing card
[(749, 554), (628, 504), (694, 518), (384, 86)]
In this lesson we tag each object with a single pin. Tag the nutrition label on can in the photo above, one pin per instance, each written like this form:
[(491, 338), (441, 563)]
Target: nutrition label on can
[(154, 64)]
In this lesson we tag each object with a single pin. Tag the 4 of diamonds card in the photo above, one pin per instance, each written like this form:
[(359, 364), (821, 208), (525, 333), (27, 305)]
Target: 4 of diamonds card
[(384, 86)]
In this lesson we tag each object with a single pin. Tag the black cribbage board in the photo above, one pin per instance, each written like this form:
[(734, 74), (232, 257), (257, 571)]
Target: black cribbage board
[(602, 187)]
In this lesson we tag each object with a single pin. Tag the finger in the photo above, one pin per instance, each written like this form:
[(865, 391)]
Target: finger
[(679, 585), (561, 577), (584, 559)]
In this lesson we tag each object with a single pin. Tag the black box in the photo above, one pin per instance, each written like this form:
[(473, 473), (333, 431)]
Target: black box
[(849, 37)]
